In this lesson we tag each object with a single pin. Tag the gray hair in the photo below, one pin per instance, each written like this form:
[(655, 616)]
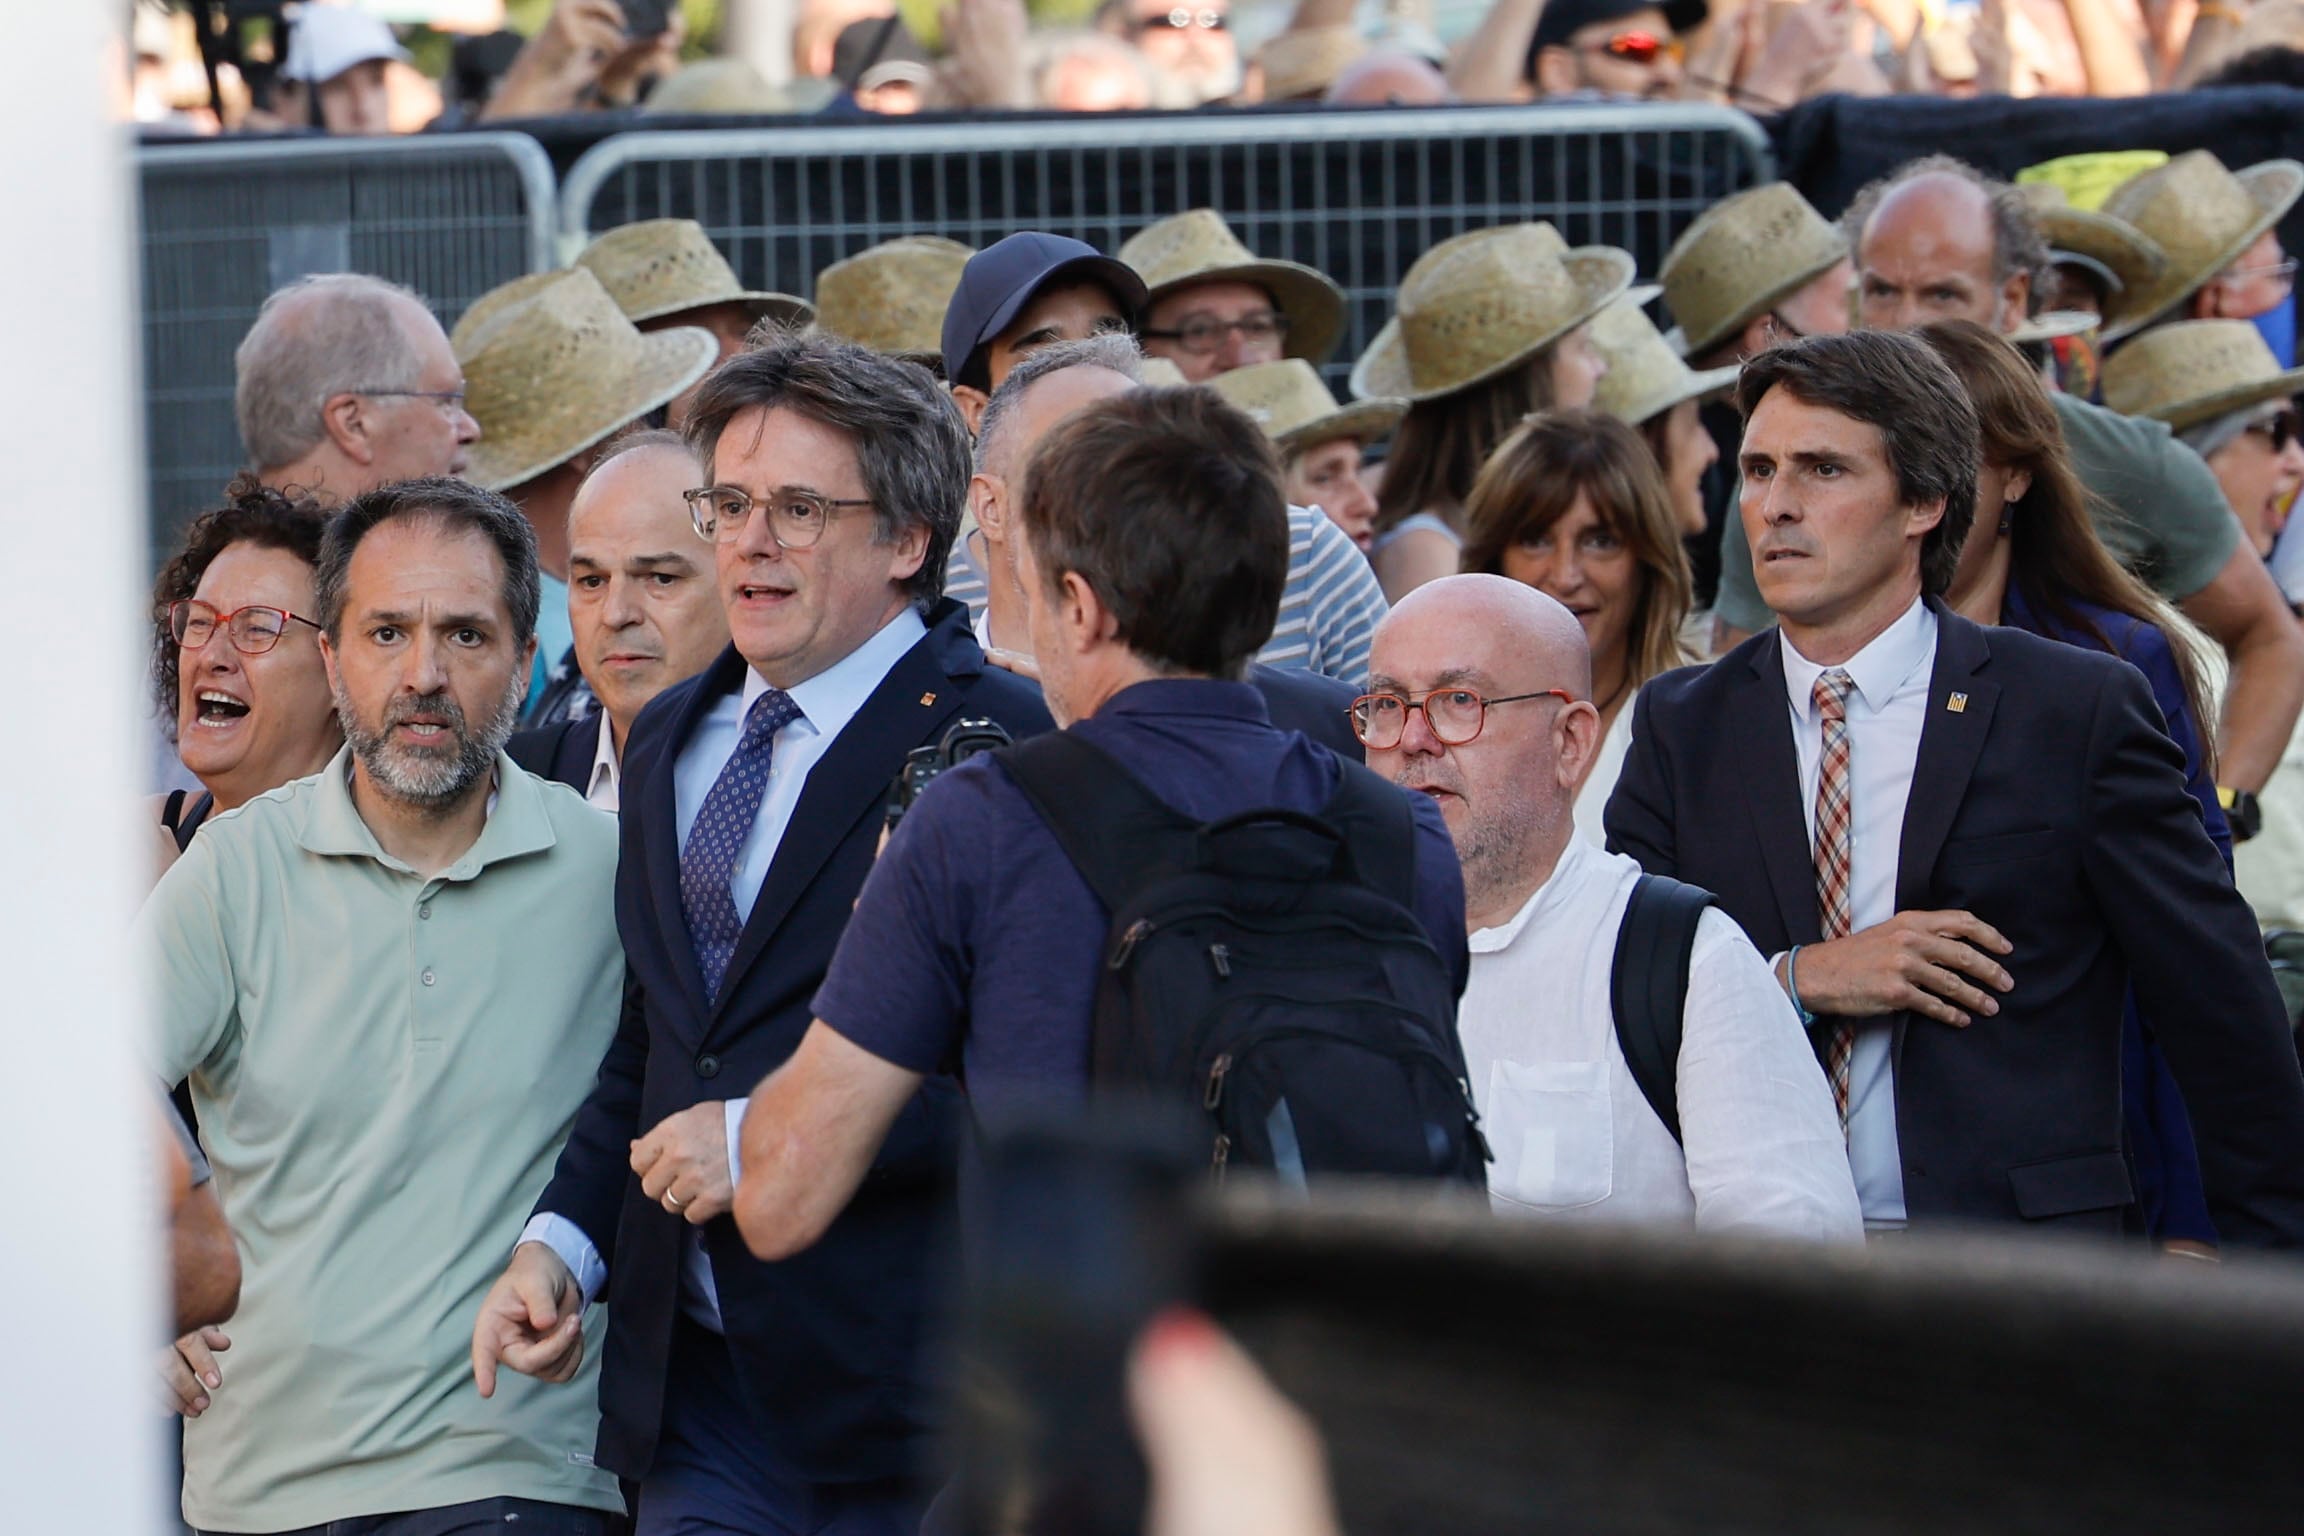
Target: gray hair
[(2017, 244), (2218, 433), (636, 440), (911, 445), (457, 507), (315, 338), (1108, 350)]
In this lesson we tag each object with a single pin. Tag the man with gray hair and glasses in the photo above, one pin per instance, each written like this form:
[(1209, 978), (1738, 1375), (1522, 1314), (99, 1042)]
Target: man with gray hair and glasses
[(386, 1055), (346, 382), (743, 1396)]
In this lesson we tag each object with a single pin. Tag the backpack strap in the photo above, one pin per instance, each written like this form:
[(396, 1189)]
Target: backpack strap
[(1378, 827), (1117, 833), (181, 824), (1648, 987)]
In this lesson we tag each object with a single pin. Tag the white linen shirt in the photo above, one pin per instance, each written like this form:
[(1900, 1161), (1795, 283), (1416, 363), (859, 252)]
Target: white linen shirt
[(1572, 1134), (1886, 710)]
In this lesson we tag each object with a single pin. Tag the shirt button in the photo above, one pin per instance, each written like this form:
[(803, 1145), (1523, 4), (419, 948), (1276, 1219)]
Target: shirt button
[(424, 911), (427, 978), (707, 1065)]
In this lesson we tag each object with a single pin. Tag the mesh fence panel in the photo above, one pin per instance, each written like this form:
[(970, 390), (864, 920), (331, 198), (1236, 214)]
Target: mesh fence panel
[(225, 224), (1357, 194)]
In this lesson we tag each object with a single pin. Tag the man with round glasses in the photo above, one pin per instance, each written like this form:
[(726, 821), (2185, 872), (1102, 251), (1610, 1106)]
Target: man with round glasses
[(1213, 305), (1480, 699), (1189, 47)]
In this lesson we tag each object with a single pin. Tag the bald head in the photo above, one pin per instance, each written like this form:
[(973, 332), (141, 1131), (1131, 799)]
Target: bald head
[(1505, 627), (1389, 79), (1940, 240)]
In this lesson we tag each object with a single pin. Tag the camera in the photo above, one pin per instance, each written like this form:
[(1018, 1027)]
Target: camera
[(967, 736)]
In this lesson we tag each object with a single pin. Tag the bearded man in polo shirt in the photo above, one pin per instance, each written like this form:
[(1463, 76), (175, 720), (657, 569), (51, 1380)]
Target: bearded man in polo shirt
[(384, 1061)]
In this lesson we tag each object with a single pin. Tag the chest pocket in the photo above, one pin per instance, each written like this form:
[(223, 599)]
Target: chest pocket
[(1552, 1127)]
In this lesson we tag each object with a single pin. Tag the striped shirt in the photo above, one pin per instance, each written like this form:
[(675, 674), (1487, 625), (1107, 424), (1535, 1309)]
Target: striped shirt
[(1329, 609)]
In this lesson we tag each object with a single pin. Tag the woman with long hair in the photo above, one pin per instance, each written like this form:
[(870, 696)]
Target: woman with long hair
[(1574, 505), (1492, 326), (2033, 562)]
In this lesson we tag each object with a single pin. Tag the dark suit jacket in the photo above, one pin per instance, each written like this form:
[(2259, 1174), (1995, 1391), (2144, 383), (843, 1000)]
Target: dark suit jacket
[(830, 1345), (2051, 804), (1310, 702), (562, 753)]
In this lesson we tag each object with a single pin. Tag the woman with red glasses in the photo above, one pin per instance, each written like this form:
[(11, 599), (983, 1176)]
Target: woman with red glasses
[(236, 656)]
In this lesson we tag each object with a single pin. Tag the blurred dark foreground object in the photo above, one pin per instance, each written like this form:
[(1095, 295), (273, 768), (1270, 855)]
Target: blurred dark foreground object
[(1475, 1375)]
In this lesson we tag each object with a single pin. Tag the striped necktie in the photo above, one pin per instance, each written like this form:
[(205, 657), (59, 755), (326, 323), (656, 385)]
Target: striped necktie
[(1835, 840)]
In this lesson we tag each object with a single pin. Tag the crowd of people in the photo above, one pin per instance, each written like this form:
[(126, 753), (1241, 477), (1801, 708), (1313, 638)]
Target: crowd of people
[(675, 762), (330, 66)]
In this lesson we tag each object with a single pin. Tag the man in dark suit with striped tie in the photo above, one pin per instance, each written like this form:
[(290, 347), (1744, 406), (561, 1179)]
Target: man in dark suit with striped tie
[(1960, 845), (743, 1396)]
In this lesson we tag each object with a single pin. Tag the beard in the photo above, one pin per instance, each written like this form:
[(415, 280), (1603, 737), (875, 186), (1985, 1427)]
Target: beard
[(437, 776)]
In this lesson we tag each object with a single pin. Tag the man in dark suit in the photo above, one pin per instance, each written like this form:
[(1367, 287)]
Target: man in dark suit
[(642, 605), (1959, 844), (744, 1396)]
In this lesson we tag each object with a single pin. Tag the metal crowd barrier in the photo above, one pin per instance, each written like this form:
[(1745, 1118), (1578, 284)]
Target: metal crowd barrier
[(223, 225), (1358, 195)]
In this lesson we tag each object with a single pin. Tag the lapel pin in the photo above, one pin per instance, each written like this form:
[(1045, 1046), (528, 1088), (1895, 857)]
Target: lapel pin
[(1958, 703), (927, 699)]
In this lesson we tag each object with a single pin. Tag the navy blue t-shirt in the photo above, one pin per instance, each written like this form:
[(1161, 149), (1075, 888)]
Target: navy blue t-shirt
[(976, 940)]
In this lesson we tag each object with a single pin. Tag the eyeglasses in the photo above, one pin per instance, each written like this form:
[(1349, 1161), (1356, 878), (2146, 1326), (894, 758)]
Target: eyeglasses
[(1205, 334), (2283, 427), (2281, 274), (796, 519), (1183, 19), (1638, 48), (253, 630), (1454, 714), (446, 399)]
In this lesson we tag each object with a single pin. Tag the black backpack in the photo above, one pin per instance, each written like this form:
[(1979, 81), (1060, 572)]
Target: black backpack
[(1268, 966), (1648, 986)]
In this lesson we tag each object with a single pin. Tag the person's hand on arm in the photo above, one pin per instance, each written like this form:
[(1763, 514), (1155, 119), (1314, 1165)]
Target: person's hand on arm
[(1936, 964), (189, 1372), (2243, 611), (532, 1320), (810, 1134)]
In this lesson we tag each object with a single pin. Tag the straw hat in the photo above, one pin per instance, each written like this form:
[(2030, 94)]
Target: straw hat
[(1481, 304), (660, 267), (2126, 259), (1159, 373), (559, 370), (2194, 371), (1645, 376), (892, 297), (1300, 64), (1295, 409), (1199, 247), (1744, 256), (495, 301), (2204, 217)]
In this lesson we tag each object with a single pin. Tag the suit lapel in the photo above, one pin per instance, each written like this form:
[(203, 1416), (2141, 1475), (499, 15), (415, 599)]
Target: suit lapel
[(658, 804), (1771, 780), (579, 745), (1959, 717), (850, 781)]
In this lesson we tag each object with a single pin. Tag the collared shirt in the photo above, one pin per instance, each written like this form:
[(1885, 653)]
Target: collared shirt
[(1329, 608), (1886, 710), (976, 935), (827, 702), (385, 1065), (605, 789), (1572, 1133)]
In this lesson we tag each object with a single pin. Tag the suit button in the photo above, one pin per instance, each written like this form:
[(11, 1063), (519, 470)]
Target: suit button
[(707, 1065)]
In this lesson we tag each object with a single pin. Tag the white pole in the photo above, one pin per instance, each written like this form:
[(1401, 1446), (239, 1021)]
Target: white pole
[(760, 32), (79, 1432)]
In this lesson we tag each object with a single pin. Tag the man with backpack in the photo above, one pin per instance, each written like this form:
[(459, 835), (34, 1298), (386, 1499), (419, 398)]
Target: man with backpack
[(1632, 1056), (1107, 913)]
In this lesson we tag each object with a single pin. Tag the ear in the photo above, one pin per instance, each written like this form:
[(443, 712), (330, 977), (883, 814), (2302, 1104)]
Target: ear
[(345, 421), (2015, 300), (1754, 339), (1575, 742), (910, 553), (1081, 616), (2208, 303), (1556, 73), (1922, 518), (971, 401), (988, 504), (328, 661), (2019, 481)]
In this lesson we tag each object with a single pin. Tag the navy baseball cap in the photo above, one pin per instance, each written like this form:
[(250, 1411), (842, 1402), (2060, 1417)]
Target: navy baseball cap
[(1002, 278)]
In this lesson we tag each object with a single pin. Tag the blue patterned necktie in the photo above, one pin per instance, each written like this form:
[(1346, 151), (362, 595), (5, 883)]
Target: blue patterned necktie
[(708, 863)]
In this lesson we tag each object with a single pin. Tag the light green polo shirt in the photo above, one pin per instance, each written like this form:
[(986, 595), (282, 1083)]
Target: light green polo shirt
[(385, 1068)]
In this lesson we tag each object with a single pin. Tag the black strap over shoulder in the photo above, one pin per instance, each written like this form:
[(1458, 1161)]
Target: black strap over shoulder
[(179, 822), (1648, 987), (1117, 833), (1379, 828)]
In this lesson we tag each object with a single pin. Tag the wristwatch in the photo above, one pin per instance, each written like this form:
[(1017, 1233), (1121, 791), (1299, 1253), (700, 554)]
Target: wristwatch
[(2241, 809)]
